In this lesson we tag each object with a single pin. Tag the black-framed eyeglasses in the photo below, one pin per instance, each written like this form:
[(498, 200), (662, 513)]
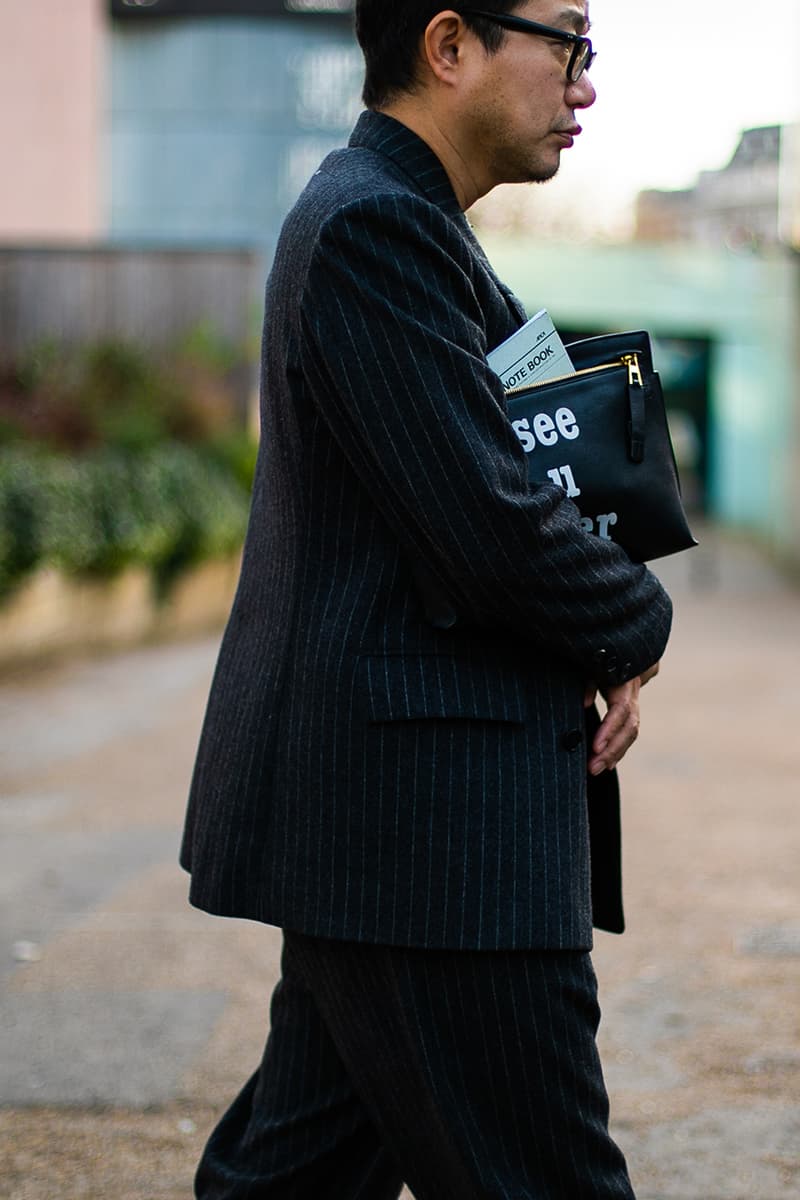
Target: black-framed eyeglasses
[(582, 56)]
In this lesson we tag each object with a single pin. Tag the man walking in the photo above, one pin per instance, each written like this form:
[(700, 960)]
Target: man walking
[(394, 761)]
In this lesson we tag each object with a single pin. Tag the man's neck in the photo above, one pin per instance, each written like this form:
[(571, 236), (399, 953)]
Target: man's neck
[(421, 120)]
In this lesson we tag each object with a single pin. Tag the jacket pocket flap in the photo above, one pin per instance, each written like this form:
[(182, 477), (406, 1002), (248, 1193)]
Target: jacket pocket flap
[(409, 687)]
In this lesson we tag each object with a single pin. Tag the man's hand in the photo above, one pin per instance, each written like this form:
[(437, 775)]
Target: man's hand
[(619, 728), (649, 674)]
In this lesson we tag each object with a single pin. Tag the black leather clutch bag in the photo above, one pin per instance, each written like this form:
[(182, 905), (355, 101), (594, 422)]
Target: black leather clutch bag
[(602, 435)]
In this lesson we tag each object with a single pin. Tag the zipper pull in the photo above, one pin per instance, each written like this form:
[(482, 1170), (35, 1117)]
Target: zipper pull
[(634, 370), (636, 413)]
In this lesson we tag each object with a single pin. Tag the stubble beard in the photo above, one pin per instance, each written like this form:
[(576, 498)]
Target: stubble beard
[(512, 162), (515, 163), (523, 170), (544, 175)]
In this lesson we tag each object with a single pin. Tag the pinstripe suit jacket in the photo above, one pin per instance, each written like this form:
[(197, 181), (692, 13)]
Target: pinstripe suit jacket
[(394, 747)]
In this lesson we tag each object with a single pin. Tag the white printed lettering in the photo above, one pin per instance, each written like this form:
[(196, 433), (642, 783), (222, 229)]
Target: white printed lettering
[(564, 478), (567, 424), (522, 430), (541, 357), (569, 481), (544, 429), (603, 522)]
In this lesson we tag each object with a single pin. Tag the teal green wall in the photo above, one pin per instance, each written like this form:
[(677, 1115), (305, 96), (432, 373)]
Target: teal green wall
[(750, 309)]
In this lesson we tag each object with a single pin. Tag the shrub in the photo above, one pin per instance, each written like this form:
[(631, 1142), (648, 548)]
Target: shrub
[(120, 394), (197, 511), (235, 452), (165, 508), (20, 508), (112, 455)]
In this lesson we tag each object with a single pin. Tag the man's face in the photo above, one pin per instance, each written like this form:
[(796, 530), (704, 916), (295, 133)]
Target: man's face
[(519, 109)]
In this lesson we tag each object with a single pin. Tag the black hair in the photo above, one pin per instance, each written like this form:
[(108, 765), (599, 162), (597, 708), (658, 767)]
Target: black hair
[(389, 33)]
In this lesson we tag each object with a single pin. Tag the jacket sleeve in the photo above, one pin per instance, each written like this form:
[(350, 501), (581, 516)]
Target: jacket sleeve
[(393, 346)]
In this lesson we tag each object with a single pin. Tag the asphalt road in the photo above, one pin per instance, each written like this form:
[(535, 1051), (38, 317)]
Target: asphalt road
[(127, 1020)]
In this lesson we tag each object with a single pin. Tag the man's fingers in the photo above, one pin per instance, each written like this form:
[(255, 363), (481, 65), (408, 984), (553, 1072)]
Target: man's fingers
[(615, 749), (618, 729), (619, 717), (623, 736)]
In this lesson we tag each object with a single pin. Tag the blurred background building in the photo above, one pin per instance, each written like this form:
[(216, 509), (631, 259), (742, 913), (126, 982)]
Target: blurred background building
[(169, 121), (753, 202), (155, 146)]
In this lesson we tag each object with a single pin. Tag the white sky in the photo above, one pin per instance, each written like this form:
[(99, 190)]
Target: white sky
[(676, 81)]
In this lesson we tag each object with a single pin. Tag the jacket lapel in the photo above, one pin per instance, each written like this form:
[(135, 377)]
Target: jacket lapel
[(376, 131)]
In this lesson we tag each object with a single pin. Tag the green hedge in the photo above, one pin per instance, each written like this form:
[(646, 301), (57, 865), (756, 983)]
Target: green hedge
[(121, 394), (165, 507)]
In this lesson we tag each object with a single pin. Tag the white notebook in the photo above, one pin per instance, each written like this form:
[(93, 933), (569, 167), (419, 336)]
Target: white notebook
[(532, 354)]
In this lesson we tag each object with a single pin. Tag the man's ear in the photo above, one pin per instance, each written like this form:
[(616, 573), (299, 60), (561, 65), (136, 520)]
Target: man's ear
[(442, 45)]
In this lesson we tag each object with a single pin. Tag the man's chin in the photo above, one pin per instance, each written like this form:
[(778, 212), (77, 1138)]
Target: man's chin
[(522, 171), (542, 173)]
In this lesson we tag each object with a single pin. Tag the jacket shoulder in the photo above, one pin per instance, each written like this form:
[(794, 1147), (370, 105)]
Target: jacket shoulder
[(360, 185)]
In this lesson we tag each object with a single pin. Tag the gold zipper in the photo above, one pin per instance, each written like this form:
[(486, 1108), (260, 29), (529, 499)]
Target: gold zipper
[(631, 361), (634, 370)]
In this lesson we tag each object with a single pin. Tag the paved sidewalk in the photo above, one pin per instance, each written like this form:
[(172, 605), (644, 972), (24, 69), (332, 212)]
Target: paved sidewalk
[(127, 1020)]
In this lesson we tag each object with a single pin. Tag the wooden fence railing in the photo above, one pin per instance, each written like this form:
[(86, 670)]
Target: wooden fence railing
[(150, 296)]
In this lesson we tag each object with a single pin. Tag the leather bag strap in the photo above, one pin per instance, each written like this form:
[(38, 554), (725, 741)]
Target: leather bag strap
[(636, 422)]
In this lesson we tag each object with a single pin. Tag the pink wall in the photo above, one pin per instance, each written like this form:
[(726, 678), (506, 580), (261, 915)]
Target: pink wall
[(51, 108)]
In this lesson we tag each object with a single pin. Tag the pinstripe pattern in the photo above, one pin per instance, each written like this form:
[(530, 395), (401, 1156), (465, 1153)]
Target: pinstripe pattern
[(383, 756), (477, 1072)]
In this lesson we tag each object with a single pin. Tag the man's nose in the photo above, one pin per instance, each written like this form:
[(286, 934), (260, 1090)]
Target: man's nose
[(582, 93)]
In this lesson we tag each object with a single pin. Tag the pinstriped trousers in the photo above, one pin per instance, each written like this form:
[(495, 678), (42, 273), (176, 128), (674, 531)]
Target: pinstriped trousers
[(469, 1075)]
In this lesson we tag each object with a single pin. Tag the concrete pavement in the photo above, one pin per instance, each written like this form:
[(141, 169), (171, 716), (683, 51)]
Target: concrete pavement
[(127, 1020)]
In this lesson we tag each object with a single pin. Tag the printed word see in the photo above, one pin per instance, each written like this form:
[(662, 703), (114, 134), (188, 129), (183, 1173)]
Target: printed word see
[(546, 430)]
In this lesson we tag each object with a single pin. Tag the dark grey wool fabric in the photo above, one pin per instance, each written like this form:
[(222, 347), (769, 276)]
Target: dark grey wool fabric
[(394, 749)]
